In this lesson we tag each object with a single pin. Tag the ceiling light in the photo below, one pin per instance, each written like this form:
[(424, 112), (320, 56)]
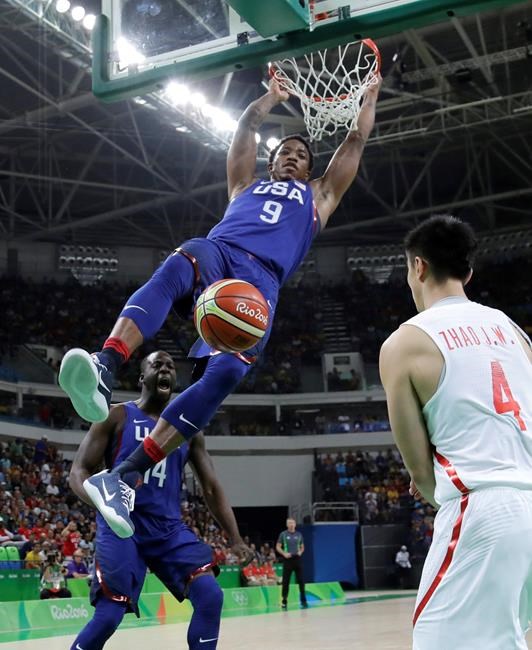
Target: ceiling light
[(62, 6), (197, 99), (127, 54), (271, 143), (88, 21), (176, 93), (78, 13), (257, 138)]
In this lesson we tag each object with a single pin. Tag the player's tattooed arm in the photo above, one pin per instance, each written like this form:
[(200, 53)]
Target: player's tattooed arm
[(404, 410), (214, 494), (242, 156), (89, 457), (343, 167)]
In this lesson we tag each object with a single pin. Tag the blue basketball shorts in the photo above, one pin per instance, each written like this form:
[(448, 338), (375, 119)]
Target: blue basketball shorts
[(216, 261), (168, 548)]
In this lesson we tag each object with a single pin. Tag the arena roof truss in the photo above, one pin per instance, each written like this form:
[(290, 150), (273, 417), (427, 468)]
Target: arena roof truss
[(453, 133)]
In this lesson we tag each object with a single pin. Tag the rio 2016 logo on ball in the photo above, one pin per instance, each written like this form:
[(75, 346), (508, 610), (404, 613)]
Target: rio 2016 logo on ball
[(231, 315)]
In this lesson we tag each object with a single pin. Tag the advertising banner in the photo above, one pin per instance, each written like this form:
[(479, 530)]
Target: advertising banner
[(61, 616)]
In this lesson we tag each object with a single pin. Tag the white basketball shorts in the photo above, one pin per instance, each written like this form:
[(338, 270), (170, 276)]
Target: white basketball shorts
[(476, 586)]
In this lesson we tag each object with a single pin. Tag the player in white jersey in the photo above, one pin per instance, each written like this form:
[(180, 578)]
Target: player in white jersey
[(458, 380)]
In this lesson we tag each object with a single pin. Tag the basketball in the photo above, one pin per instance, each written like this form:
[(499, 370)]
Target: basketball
[(231, 315)]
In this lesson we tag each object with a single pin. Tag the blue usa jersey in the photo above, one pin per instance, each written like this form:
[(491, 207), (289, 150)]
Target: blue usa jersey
[(160, 492), (275, 221)]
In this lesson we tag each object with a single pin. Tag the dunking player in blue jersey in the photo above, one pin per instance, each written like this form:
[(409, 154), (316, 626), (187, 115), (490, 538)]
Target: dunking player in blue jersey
[(161, 541), (266, 232)]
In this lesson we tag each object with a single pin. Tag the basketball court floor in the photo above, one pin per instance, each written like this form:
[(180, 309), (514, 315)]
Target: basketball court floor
[(377, 625)]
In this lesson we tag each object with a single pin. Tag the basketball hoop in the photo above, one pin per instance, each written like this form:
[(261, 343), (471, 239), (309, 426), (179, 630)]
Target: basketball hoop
[(330, 84)]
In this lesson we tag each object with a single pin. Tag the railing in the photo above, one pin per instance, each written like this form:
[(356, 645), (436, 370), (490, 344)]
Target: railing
[(338, 507), (300, 512)]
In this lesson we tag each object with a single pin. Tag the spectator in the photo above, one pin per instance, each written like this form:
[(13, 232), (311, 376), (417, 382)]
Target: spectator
[(53, 581), (403, 567), (34, 557), (41, 450), (268, 575), (5, 534), (46, 474), (71, 538), (77, 568), (27, 546), (52, 489), (252, 573), (219, 555)]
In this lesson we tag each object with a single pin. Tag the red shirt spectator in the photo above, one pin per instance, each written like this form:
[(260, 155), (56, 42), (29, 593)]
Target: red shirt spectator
[(71, 539), (252, 572), (39, 531), (5, 535), (219, 555), (268, 571), (24, 531)]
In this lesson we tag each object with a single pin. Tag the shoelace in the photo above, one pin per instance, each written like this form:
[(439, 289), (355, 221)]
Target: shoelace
[(127, 495)]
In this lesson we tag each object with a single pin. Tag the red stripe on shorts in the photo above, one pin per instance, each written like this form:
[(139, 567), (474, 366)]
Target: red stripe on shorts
[(447, 559), (451, 473), (105, 588)]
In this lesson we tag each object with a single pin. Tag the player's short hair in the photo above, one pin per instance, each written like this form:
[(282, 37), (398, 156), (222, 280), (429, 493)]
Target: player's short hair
[(296, 136), (144, 361), (446, 243)]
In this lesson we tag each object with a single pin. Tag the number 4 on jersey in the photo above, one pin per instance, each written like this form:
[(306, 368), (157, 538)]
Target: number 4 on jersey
[(503, 400)]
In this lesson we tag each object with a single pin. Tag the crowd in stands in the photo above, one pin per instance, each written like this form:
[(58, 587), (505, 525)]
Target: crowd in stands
[(50, 526), (42, 517), (378, 483), (65, 315)]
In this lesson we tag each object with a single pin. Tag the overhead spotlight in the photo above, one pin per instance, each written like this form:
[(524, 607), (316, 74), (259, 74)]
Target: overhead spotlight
[(257, 138), (271, 143), (227, 123), (177, 93), (219, 118), (78, 13), (127, 54), (62, 6), (197, 99), (89, 21)]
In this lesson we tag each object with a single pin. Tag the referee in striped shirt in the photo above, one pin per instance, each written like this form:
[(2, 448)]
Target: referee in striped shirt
[(291, 547)]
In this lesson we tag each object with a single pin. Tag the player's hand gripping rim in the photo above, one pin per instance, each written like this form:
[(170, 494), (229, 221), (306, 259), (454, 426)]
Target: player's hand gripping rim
[(277, 91)]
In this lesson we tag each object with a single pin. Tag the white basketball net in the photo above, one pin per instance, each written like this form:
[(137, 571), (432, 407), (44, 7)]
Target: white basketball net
[(330, 84)]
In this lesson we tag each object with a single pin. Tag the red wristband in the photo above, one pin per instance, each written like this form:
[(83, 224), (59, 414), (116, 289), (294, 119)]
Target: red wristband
[(119, 346), (153, 450)]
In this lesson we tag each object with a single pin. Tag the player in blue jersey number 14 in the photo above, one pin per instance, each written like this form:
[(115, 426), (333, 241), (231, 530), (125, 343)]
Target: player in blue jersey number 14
[(266, 231), (162, 541)]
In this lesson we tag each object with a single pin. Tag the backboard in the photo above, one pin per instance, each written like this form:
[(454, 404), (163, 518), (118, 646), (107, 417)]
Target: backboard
[(139, 45)]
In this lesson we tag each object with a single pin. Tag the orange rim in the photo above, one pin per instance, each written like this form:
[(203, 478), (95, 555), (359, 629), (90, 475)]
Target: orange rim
[(272, 70)]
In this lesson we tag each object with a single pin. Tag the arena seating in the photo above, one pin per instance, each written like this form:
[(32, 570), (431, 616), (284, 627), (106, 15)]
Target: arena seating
[(61, 315)]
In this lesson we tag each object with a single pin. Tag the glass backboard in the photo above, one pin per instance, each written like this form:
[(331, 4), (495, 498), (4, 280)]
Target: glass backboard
[(139, 45)]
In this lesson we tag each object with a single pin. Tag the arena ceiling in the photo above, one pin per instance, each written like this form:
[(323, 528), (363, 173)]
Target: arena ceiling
[(454, 133)]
